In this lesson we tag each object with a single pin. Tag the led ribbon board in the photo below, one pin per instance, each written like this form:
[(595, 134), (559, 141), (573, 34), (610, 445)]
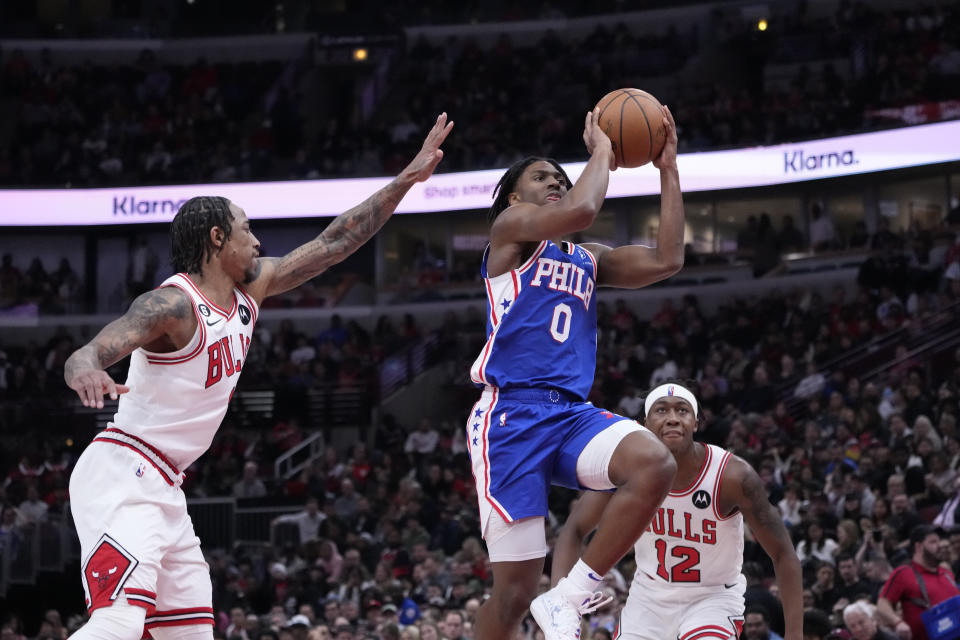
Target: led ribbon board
[(706, 171)]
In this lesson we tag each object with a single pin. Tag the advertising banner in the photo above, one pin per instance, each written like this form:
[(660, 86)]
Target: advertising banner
[(706, 171)]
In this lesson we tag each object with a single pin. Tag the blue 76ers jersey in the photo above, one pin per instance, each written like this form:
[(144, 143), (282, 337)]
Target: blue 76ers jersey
[(541, 322)]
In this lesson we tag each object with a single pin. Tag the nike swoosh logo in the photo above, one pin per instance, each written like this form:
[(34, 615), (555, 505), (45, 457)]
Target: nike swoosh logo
[(593, 576), (210, 324), (729, 586)]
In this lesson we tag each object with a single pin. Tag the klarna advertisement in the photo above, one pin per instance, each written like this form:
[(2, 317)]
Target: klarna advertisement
[(706, 171)]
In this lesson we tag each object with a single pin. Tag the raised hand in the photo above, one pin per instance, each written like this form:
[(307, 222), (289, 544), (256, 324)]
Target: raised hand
[(668, 156), (431, 154), (595, 138)]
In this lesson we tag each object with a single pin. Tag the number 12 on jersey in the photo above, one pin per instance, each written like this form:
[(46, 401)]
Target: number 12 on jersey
[(682, 571)]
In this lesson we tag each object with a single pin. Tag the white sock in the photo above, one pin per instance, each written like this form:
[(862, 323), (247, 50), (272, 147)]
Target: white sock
[(582, 578)]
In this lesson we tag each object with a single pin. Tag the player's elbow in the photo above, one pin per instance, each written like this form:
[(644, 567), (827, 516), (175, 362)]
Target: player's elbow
[(672, 265)]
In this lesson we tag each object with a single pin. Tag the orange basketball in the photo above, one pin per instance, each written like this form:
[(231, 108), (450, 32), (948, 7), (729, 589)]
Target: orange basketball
[(633, 121)]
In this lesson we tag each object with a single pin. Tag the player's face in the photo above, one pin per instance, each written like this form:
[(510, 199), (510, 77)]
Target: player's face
[(540, 184), (671, 419), (241, 250)]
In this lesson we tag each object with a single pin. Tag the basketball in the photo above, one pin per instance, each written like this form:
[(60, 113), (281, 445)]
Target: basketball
[(633, 121)]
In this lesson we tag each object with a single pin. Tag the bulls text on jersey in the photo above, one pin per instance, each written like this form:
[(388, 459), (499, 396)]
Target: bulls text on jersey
[(225, 358), (668, 522)]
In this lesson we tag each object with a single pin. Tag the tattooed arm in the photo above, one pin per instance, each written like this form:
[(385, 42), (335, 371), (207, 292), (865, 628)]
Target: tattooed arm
[(743, 489), (351, 229), (163, 316)]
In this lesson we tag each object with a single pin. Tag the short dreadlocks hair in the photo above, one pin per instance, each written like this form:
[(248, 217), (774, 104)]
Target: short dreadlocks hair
[(508, 182), (190, 231)]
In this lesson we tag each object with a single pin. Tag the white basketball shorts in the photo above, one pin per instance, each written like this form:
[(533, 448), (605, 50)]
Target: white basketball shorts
[(136, 537), (658, 612)]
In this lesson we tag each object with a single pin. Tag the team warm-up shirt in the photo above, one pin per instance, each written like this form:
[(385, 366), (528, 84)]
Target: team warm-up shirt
[(689, 543), (177, 400), (541, 322)]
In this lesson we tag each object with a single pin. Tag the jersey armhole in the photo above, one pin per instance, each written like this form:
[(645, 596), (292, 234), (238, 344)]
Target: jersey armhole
[(194, 347), (717, 487)]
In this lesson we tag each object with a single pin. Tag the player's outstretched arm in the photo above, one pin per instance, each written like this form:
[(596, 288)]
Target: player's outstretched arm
[(351, 229), (584, 518), (746, 492), (575, 211), (152, 315), (635, 266)]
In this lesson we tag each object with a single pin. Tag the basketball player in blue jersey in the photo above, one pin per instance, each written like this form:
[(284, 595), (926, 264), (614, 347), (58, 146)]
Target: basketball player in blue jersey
[(532, 427)]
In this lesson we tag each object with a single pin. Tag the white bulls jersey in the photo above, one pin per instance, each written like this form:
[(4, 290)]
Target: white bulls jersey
[(689, 543), (177, 400)]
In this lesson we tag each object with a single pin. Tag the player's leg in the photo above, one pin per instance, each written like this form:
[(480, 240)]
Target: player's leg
[(604, 452), (642, 469), (512, 446), (184, 591), (120, 621), (118, 526), (648, 616), (718, 616), (517, 551)]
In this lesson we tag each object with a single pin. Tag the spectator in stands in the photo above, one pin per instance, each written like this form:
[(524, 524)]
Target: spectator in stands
[(883, 238), (767, 249), (142, 265), (812, 384), (747, 238), (850, 586), (423, 440), (345, 506), (756, 625), (822, 234), (10, 535), (33, 509), (631, 403), (308, 521), (861, 619), (949, 515), (816, 545), (249, 486), (903, 585), (790, 237)]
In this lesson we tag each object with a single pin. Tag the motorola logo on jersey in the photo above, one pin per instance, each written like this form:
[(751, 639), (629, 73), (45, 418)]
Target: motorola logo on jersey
[(701, 499), (244, 314), (204, 310)]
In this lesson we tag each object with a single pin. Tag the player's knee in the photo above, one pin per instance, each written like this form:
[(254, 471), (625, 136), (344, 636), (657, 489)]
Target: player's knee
[(120, 621), (650, 465)]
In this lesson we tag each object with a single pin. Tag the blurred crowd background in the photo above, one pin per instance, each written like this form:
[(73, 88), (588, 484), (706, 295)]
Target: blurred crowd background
[(325, 519)]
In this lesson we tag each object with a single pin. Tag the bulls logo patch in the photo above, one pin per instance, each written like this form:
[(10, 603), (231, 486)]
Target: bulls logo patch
[(105, 572), (737, 623), (701, 499), (244, 314)]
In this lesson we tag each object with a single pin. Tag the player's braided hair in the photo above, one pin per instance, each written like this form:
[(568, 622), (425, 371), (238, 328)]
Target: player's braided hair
[(190, 231), (508, 181)]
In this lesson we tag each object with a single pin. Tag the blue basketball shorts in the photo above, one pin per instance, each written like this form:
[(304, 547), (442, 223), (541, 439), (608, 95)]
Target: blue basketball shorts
[(523, 440)]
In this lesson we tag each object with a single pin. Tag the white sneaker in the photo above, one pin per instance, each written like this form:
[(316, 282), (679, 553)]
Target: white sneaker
[(558, 616)]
